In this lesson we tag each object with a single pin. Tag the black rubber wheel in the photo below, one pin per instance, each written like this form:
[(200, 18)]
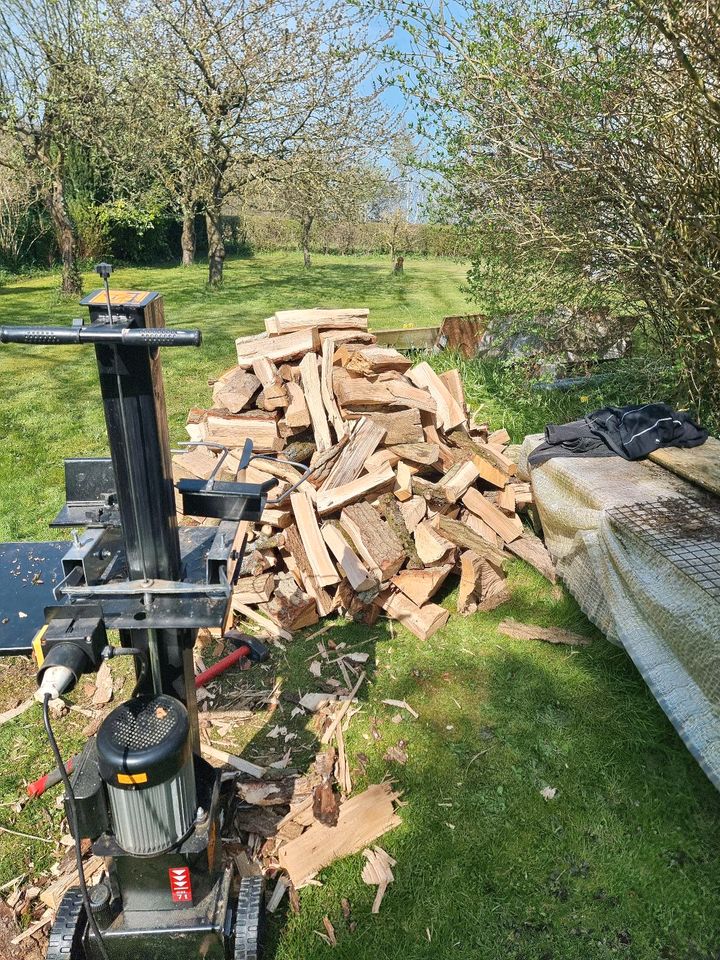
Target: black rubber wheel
[(67, 932), (250, 919)]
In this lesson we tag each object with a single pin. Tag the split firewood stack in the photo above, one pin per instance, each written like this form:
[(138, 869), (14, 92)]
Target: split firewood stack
[(409, 489)]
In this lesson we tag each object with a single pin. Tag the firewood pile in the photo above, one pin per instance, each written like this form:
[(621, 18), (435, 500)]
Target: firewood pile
[(407, 490)]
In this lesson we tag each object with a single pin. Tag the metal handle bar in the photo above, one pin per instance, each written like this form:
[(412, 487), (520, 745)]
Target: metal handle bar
[(124, 336)]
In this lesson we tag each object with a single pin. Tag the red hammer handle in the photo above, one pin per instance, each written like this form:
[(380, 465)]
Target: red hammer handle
[(221, 666), (38, 787)]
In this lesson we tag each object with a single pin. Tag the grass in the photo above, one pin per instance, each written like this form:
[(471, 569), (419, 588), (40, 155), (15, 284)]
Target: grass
[(621, 863)]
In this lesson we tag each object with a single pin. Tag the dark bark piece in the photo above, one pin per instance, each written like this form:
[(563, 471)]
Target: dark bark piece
[(374, 540)]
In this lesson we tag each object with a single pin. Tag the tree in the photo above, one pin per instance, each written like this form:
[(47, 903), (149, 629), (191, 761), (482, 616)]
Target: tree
[(586, 134), (250, 82), (49, 74)]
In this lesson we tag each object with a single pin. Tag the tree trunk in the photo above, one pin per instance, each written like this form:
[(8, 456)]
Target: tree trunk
[(188, 240), (65, 238), (306, 227), (216, 247)]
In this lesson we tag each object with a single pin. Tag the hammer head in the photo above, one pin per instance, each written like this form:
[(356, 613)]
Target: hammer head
[(258, 651)]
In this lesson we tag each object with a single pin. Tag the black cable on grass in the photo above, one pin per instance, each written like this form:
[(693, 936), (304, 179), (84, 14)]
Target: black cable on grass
[(72, 808)]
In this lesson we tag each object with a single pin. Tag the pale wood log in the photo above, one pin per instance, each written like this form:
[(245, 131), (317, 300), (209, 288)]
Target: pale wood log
[(506, 527), (374, 360), (425, 454), (348, 337), (274, 394), (432, 547), (285, 347), (421, 585), (287, 321), (455, 483), (506, 500), (449, 413), (357, 394), (314, 401), (312, 540), (196, 463), (423, 622), (481, 528), (406, 395), (235, 389), (326, 389), (489, 472), (375, 542), (270, 628), (330, 501), (304, 572), (363, 442), (403, 481), (499, 438), (483, 585), (413, 512), (297, 415), (404, 426), (380, 458), (453, 383), (254, 589), (533, 551), (233, 429), (357, 574)]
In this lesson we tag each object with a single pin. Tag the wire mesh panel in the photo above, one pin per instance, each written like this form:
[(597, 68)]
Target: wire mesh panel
[(684, 530)]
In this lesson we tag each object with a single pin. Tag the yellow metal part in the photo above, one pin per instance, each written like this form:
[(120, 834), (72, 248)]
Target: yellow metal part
[(37, 645), (132, 778)]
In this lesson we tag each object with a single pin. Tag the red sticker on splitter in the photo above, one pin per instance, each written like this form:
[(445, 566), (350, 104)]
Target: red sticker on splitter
[(180, 886)]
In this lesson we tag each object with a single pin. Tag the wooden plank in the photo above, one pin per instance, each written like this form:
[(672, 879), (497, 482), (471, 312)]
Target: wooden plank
[(450, 414), (374, 541), (507, 528), (330, 501), (341, 318), (361, 820), (699, 465), (312, 540), (285, 347), (244, 766), (313, 399), (423, 622), (408, 338), (421, 585), (235, 389), (357, 574), (363, 442), (326, 389)]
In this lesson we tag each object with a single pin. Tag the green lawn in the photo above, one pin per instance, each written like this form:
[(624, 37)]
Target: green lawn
[(621, 863)]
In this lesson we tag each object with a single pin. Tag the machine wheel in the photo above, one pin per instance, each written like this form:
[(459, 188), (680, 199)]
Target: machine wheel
[(250, 920), (67, 932)]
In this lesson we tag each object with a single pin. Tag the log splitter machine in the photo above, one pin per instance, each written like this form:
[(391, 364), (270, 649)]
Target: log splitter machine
[(152, 807)]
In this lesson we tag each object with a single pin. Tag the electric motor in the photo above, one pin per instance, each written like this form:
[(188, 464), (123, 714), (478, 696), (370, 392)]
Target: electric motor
[(146, 762)]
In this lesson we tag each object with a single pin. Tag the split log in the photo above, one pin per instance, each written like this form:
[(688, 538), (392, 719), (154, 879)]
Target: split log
[(533, 551), (314, 401), (404, 426), (306, 574), (405, 395), (370, 361), (274, 393), (413, 512), (507, 528), (235, 389), (287, 321), (357, 574), (499, 438), (483, 585), (291, 608), (254, 589), (389, 509), (196, 463), (461, 535), (455, 483), (453, 383), (423, 622), (233, 429), (403, 481), (359, 395), (326, 389), (297, 415), (349, 465), (449, 413), (375, 542), (330, 501), (285, 347), (431, 546), (421, 585), (424, 454), (312, 540)]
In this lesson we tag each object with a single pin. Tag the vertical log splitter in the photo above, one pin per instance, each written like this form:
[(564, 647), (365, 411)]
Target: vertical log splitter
[(152, 807)]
